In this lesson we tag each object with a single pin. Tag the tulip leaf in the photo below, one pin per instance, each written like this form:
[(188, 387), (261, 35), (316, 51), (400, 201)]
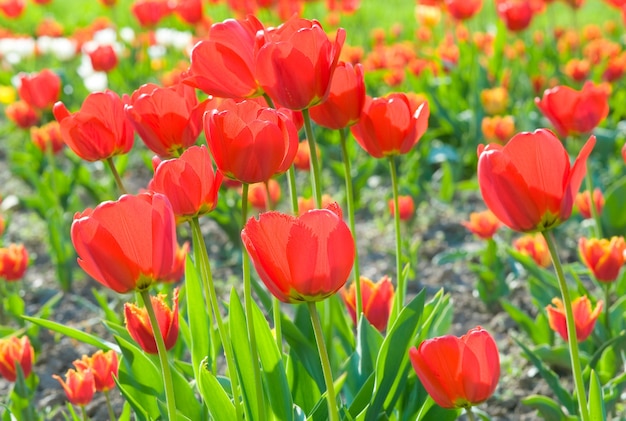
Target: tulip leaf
[(219, 404), (550, 377), (597, 411), (197, 316), (73, 333), (613, 217), (243, 355), (548, 408), (304, 389), (275, 379), (393, 359), (538, 332), (431, 411)]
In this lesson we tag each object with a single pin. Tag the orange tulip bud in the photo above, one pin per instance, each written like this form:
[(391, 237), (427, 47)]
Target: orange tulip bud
[(583, 202), (377, 301), (140, 329), (603, 257), (103, 365), (14, 351), (535, 246), (584, 317), (483, 224), (79, 386)]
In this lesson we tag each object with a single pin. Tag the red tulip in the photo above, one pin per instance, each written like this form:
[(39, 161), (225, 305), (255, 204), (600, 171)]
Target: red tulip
[(603, 257), (150, 12), (48, 136), (463, 9), (345, 101), (305, 258), (12, 8), (528, 183), (584, 317), (516, 14), (40, 90), (189, 182), (103, 58), (140, 329), (189, 10), (99, 130), (583, 202), (389, 125), (13, 262), (250, 143), (22, 114), (458, 372), (223, 64), (572, 111), (168, 120), (258, 192), (14, 351), (482, 224), (296, 61), (406, 206), (79, 386), (130, 243), (377, 300), (103, 365)]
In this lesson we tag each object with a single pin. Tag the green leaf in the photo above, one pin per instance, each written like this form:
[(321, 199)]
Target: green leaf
[(197, 316), (103, 302), (302, 347), (533, 328), (613, 217), (597, 412), (73, 333), (548, 408), (219, 404)]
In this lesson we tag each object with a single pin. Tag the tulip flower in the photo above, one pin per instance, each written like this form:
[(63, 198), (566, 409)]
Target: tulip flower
[(389, 126), (583, 202), (189, 11), (15, 351), (463, 9), (150, 12), (40, 90), (189, 182), (79, 386), (572, 111), (482, 224), (307, 204), (12, 8), (250, 143), (257, 195), (130, 243), (406, 206), (302, 160), (47, 137), (140, 329), (584, 317), (223, 65), (296, 61), (498, 129), (516, 14), (535, 246), (299, 259), (22, 114), (603, 257), (103, 365), (345, 101), (168, 120), (495, 100), (103, 58), (528, 183), (377, 301), (13, 262), (99, 130), (458, 372)]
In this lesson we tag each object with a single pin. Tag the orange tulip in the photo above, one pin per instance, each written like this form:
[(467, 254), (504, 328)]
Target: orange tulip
[(406, 206), (13, 262), (603, 257), (296, 62), (583, 202), (79, 386), (528, 183), (572, 111), (15, 351), (535, 246), (129, 243), (40, 90), (584, 317), (305, 258), (495, 100), (48, 136), (377, 301), (389, 125), (138, 323), (482, 224), (99, 130), (103, 365), (458, 372), (498, 129)]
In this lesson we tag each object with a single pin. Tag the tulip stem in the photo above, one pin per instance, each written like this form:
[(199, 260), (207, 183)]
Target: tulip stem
[(109, 406), (202, 260), (170, 399), (116, 175), (396, 219), (247, 292), (592, 205), (470, 414), (293, 192), (607, 313), (315, 166), (333, 412), (83, 411), (278, 331), (571, 326), (350, 199)]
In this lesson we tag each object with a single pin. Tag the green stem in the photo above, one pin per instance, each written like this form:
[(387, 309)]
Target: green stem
[(116, 175), (84, 412), (278, 331), (607, 305), (333, 412), (202, 260), (109, 406), (470, 414), (170, 398), (315, 166), (592, 205), (401, 293), (343, 133), (247, 292), (571, 326), (293, 192)]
